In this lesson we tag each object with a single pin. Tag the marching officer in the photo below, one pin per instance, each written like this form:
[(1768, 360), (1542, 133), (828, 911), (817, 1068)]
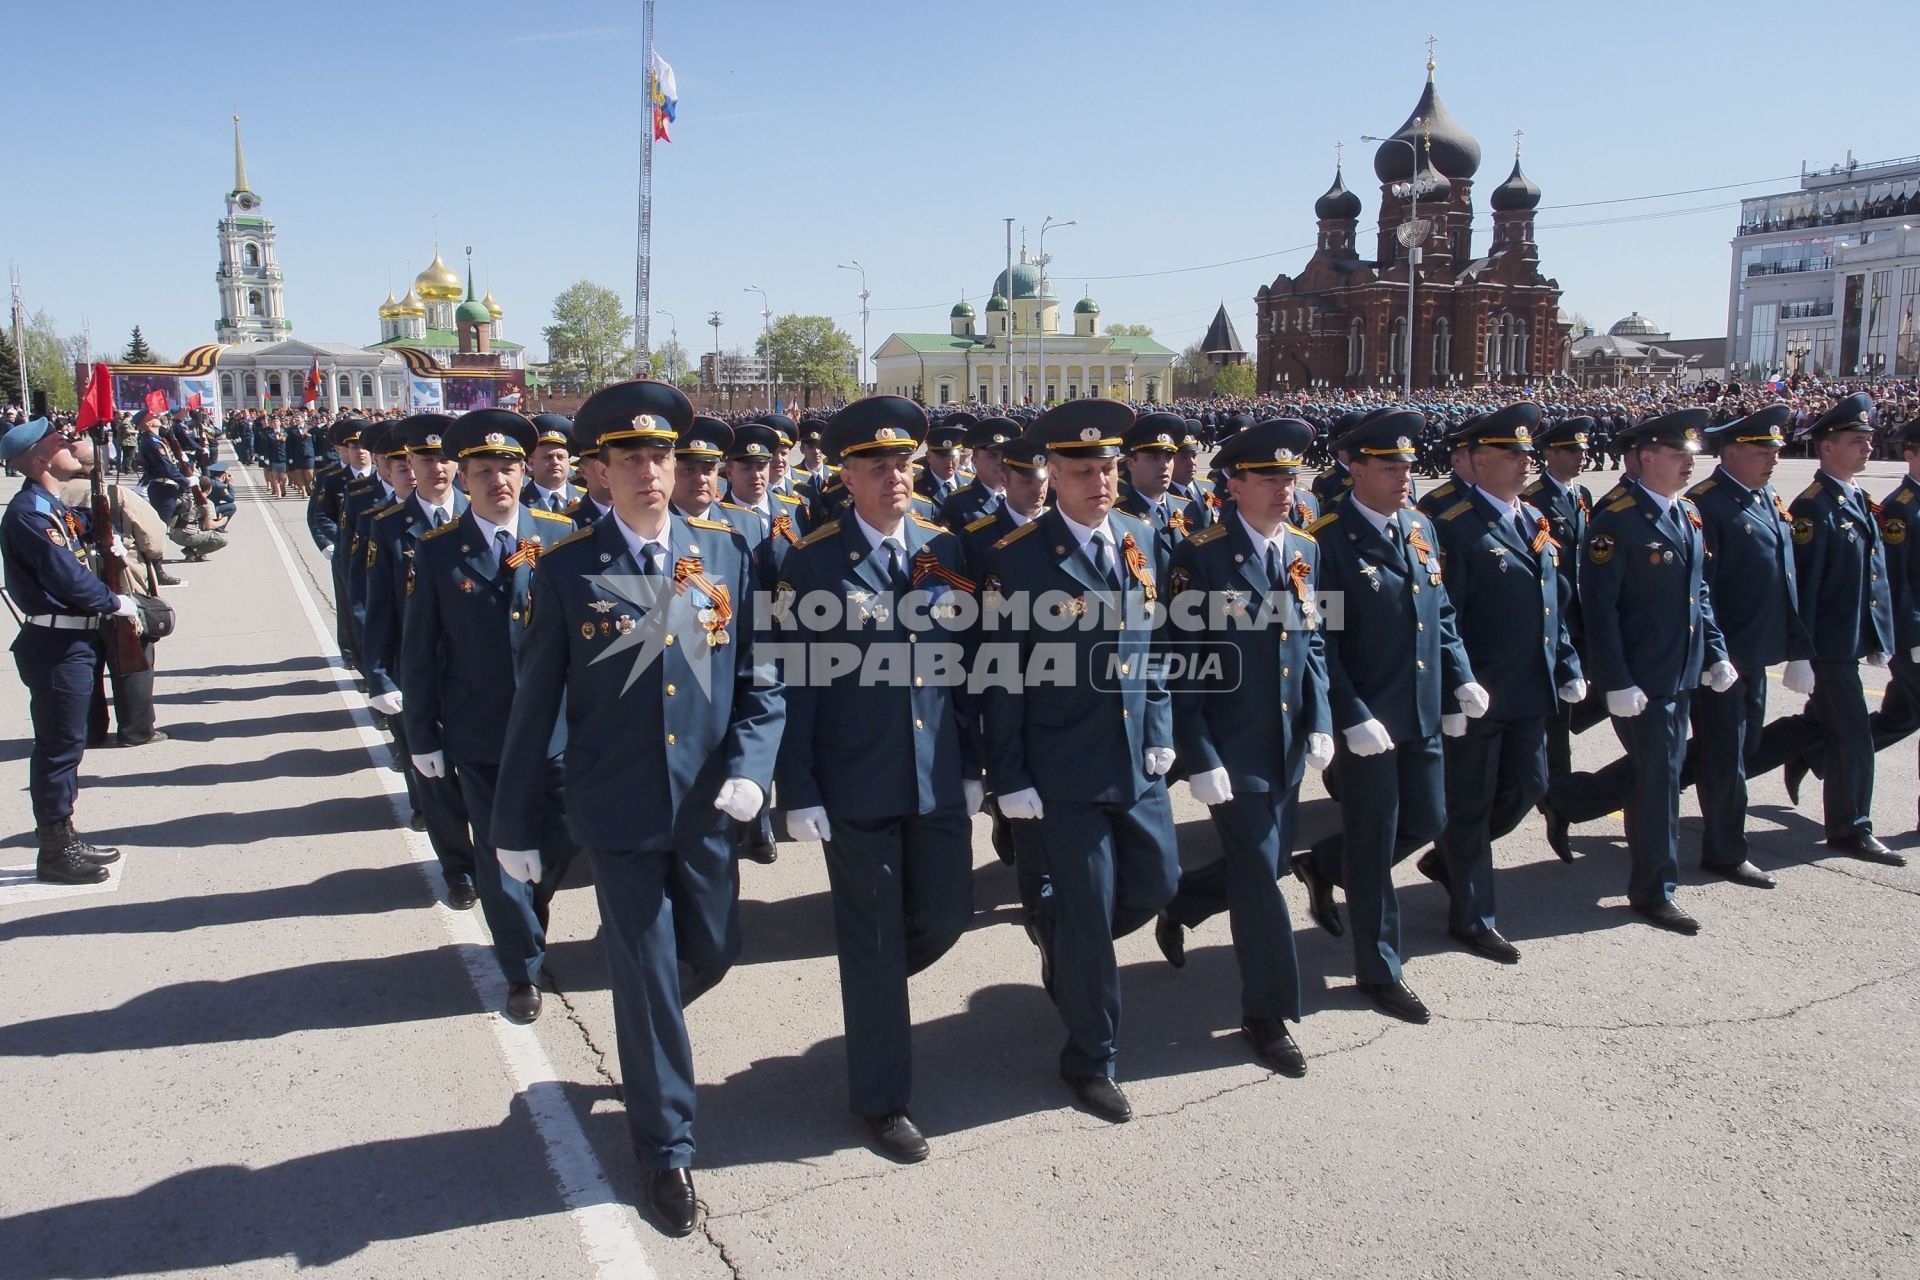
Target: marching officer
[(58, 651), (1750, 571), (595, 500), (393, 540), (1250, 580), (392, 481), (940, 471), (1086, 755), (1387, 668), (643, 625), (1151, 445), (1651, 641), (1195, 488), (328, 519), (749, 491), (884, 771), (467, 597), (550, 467), (985, 438), (1501, 567), (1566, 503), (1445, 495)]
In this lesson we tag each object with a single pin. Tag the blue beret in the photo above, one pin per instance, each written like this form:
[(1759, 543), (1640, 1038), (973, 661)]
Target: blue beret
[(23, 438)]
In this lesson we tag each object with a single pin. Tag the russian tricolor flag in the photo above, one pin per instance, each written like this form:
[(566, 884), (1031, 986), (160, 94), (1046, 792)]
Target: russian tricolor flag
[(664, 93)]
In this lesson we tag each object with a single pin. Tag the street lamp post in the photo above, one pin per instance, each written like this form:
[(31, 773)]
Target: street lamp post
[(673, 336), (1040, 312), (713, 318), (1410, 234), (854, 265), (766, 340)]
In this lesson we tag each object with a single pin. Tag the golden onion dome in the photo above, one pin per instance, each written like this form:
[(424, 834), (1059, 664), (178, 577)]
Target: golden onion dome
[(410, 305), (438, 283), (493, 308), (387, 307)]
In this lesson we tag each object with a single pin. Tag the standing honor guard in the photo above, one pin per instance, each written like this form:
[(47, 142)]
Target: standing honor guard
[(1248, 582), (58, 651), (643, 628), (468, 593), (1083, 750), (879, 763), (1501, 565), (1651, 641), (1388, 662)]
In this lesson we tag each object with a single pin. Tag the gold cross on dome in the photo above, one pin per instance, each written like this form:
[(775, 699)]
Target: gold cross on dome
[(1339, 154), (1518, 134), (1432, 40)]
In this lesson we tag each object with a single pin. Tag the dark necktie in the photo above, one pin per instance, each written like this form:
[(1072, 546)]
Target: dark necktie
[(502, 545), (554, 504), (1273, 565), (648, 564), (1520, 527), (1103, 561), (894, 559), (439, 516)]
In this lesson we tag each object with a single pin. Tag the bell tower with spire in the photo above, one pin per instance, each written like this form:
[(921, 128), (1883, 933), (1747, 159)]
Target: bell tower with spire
[(252, 307)]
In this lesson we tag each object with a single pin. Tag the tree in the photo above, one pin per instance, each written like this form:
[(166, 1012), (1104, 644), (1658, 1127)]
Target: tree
[(9, 370), (588, 336), (138, 352), (1236, 380), (811, 353), (670, 362), (1129, 331), (689, 382), (48, 368), (1193, 373)]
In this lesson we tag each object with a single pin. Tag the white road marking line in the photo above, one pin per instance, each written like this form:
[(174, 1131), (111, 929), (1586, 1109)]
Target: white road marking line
[(19, 884), (606, 1226)]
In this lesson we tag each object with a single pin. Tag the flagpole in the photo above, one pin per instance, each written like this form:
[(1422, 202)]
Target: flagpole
[(642, 263), (20, 344)]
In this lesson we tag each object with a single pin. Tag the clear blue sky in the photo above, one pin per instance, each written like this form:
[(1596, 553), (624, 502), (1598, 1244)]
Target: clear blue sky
[(896, 133)]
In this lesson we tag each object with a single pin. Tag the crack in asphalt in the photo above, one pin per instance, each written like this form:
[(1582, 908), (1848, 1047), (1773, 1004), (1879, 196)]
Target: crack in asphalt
[(719, 1246), (579, 1024)]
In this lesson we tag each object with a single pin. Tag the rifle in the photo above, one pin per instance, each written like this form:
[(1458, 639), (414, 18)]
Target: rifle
[(125, 653)]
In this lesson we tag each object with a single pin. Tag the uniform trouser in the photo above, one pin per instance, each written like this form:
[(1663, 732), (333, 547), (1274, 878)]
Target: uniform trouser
[(440, 805), (1110, 868), (516, 913), (1895, 721), (342, 613), (1646, 783), (902, 895), (1568, 720), (1839, 707), (1256, 837), (132, 702), (670, 920), (58, 668), (1496, 771), (1728, 729), (1390, 805), (1029, 864)]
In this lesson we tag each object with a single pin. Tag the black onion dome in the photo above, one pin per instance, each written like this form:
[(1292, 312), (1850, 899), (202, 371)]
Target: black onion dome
[(1517, 193), (1338, 202), (1456, 152), (1433, 184)]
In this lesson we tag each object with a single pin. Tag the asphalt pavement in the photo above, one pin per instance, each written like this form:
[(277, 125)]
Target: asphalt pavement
[(267, 1045)]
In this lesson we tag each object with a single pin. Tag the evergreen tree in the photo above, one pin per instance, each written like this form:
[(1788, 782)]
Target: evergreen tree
[(138, 352), (9, 370)]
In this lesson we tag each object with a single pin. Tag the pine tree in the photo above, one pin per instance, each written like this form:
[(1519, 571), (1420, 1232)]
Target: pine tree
[(138, 352), (9, 371)]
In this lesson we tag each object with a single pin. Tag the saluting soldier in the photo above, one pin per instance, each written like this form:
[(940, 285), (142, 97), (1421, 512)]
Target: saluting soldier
[(468, 591), (1501, 567), (1249, 582), (1567, 504), (550, 467), (1084, 752), (1651, 641), (940, 469), (644, 627), (392, 542), (883, 770), (1152, 443), (1390, 663), (987, 492)]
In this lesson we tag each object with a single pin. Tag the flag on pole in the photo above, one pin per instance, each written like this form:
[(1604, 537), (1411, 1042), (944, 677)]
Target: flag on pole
[(96, 406), (664, 94), (310, 390)]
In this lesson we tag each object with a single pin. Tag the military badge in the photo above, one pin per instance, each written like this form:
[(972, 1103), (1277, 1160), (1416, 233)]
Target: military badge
[(1500, 558), (54, 536), (1600, 548), (625, 625), (600, 606), (1894, 531), (1236, 602), (1178, 580), (586, 630), (1372, 574), (1803, 530), (466, 585)]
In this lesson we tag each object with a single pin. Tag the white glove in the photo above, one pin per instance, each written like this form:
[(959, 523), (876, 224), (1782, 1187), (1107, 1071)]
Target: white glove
[(522, 864), (431, 765), (1368, 738), (1454, 726), (1211, 787), (740, 799), (1158, 761), (120, 548), (1319, 750), (1473, 700), (124, 607), (1023, 804), (1573, 691), (975, 792), (1626, 703), (809, 824), (1719, 677), (1799, 677), (387, 704), (1913, 654), (1876, 659), (327, 551)]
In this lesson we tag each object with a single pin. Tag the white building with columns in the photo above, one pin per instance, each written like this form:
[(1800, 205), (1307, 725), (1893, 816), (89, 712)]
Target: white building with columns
[(1003, 364)]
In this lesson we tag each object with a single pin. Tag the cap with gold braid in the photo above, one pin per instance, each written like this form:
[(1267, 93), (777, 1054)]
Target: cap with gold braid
[(1156, 433), (704, 438), (490, 433), (553, 429), (877, 425), (425, 433), (1084, 428), (638, 412), (1508, 428), (1385, 433), (1761, 427), (1278, 444)]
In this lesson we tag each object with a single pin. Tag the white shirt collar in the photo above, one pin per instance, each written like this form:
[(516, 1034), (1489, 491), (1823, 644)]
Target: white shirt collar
[(1728, 477), (1374, 518), (546, 495), (1084, 534), (1016, 517), (637, 544), (488, 529), (1846, 486), (1500, 504), (1665, 503), (1259, 539), (1562, 489), (875, 536)]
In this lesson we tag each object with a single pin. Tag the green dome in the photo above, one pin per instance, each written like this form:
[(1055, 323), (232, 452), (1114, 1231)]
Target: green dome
[(997, 302), (962, 310), (473, 311), (1086, 307), (1027, 280)]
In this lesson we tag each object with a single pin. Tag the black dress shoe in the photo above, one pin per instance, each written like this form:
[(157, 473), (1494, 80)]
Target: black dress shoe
[(670, 1197), (66, 866), (158, 735), (898, 1137), (1746, 873), (1867, 848), (461, 895), (1793, 775), (1172, 939), (1434, 868), (1488, 943), (1669, 916), (1274, 1047), (417, 823), (1320, 903), (1101, 1096), (758, 848), (1002, 837), (523, 1002), (1556, 832), (1396, 1000)]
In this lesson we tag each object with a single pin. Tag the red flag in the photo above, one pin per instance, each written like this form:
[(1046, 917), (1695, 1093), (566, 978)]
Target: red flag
[(193, 401), (660, 126), (311, 391), (96, 406), (157, 403)]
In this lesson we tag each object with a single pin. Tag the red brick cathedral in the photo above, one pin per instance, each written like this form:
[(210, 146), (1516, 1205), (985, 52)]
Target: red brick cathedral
[(1343, 319)]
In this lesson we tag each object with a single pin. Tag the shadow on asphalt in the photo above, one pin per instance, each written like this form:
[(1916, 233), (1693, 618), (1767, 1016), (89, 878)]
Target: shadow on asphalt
[(316, 1209), (330, 720), (303, 762), (247, 693), (305, 662), (335, 815), (359, 891)]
